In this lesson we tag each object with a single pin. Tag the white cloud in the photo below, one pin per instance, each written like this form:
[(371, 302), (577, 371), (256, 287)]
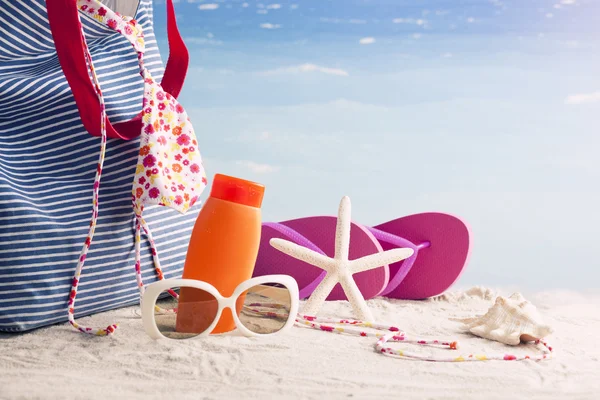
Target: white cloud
[(293, 6), (256, 167), (447, 55), (417, 36), (202, 40), (270, 26), (304, 68), (209, 6), (262, 12), (274, 6), (367, 40), (245, 5), (419, 22), (568, 2), (570, 43), (549, 15), (409, 21), (264, 136), (583, 98), (248, 137), (335, 20), (470, 20)]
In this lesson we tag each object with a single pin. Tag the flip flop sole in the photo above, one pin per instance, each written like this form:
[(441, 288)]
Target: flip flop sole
[(322, 231), (437, 266)]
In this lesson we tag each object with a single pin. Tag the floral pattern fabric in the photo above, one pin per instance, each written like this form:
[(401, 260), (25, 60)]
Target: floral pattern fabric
[(169, 170)]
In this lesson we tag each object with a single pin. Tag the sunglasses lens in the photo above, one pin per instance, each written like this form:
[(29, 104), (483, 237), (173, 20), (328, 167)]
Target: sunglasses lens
[(264, 308), (188, 316)]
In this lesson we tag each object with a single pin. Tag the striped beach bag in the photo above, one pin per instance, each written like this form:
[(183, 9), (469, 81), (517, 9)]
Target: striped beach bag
[(55, 123)]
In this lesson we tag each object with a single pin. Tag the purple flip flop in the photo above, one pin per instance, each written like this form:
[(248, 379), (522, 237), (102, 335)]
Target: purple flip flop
[(442, 248), (441, 243), (318, 234)]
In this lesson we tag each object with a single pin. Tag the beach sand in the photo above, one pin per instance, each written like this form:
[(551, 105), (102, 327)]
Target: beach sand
[(58, 363)]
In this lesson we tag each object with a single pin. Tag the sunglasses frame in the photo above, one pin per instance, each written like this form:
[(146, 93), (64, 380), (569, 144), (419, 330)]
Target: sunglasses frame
[(155, 289)]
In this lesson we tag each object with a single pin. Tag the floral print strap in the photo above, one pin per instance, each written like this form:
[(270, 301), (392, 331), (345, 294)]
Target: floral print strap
[(544, 347), (142, 225), (391, 333), (96, 189)]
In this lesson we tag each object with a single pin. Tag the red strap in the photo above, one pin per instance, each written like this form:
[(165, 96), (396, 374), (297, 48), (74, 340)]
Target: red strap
[(66, 31), (179, 58)]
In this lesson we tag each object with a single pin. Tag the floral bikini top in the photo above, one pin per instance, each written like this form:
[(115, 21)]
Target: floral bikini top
[(169, 169)]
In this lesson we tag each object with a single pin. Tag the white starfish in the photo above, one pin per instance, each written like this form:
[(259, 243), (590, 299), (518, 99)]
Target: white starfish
[(340, 269)]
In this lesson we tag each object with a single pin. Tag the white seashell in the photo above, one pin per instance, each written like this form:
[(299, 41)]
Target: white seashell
[(509, 321)]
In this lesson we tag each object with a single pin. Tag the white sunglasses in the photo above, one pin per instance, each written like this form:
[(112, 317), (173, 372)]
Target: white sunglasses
[(260, 306)]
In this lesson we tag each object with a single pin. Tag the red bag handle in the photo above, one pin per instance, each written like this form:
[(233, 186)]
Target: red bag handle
[(65, 28)]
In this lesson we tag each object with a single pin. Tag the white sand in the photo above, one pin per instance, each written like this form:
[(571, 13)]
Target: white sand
[(58, 363)]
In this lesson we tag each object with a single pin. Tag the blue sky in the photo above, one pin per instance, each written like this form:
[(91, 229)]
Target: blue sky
[(485, 109)]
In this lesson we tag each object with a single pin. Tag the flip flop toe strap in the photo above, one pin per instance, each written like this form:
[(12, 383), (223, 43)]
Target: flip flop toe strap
[(301, 240), (406, 265)]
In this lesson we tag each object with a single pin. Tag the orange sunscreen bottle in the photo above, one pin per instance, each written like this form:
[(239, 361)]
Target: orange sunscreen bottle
[(222, 251)]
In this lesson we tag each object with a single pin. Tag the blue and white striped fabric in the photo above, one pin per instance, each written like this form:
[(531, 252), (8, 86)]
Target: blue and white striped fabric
[(47, 168)]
